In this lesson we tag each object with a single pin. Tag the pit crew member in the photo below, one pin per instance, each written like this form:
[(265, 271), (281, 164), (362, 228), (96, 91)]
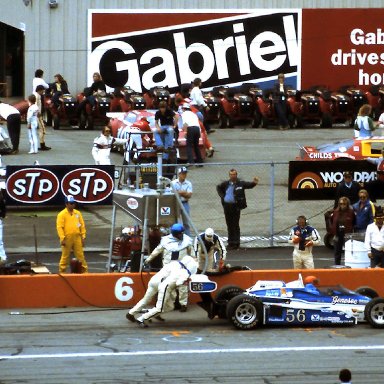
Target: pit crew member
[(213, 244), (172, 276), (174, 247), (303, 237), (102, 146), (71, 231)]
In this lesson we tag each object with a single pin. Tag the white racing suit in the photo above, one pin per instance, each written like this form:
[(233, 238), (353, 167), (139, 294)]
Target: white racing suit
[(172, 276), (216, 245), (174, 249), (302, 253), (102, 146)]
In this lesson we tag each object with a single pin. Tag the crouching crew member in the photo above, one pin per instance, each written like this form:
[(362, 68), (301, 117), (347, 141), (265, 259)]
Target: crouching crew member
[(303, 237), (174, 247), (172, 276), (214, 245)]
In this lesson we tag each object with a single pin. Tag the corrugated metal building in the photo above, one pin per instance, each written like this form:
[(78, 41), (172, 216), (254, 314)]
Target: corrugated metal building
[(52, 34)]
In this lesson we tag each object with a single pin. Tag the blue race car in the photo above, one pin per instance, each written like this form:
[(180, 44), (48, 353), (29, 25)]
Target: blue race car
[(296, 303)]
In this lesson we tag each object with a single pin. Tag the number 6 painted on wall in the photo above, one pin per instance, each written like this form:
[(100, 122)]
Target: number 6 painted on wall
[(123, 290)]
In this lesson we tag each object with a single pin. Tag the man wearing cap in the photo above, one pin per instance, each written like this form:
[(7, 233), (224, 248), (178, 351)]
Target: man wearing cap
[(232, 194), (347, 188), (71, 231), (184, 188), (213, 244), (374, 240), (191, 126)]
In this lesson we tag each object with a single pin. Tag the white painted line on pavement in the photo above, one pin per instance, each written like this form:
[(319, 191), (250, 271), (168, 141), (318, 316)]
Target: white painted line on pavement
[(193, 351)]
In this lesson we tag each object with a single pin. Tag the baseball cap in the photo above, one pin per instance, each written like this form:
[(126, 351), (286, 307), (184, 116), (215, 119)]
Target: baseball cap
[(347, 174), (183, 170), (70, 199)]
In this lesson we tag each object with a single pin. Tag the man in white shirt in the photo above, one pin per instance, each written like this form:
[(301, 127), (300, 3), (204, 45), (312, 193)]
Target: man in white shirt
[(38, 80), (192, 127), (13, 118), (374, 240), (199, 102), (184, 188)]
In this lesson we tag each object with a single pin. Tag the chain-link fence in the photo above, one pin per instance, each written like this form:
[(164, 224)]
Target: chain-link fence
[(269, 215)]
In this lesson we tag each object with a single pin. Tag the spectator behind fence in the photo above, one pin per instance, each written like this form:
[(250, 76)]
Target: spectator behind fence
[(347, 188), (374, 240), (345, 376), (303, 237), (364, 125), (364, 211), (342, 222), (233, 199)]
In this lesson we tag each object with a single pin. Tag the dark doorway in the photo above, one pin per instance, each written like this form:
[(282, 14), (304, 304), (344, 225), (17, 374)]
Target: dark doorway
[(11, 61)]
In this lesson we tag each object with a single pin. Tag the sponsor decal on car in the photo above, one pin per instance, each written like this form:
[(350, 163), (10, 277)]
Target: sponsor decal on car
[(344, 300)]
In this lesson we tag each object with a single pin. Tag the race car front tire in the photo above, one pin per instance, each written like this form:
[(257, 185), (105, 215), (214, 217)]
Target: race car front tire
[(245, 312), (374, 312), (223, 296)]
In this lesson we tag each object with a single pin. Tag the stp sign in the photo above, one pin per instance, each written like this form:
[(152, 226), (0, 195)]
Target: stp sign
[(49, 184), (32, 185), (87, 185)]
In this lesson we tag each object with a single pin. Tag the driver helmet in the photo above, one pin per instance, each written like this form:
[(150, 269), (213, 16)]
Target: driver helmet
[(209, 232), (312, 280), (177, 231)]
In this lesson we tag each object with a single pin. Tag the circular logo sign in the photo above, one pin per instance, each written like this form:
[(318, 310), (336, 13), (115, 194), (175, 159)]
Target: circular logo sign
[(132, 203), (32, 185), (87, 185)]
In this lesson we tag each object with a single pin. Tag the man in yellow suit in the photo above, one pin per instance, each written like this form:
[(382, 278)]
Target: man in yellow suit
[(71, 231)]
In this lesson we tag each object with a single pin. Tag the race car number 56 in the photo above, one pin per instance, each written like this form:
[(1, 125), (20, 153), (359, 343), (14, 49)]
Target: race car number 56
[(298, 316)]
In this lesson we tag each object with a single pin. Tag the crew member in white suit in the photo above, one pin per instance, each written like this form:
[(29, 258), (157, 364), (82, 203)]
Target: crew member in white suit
[(102, 146), (174, 247), (173, 275)]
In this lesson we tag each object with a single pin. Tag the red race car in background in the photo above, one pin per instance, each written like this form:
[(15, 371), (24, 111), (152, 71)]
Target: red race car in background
[(350, 149), (122, 124)]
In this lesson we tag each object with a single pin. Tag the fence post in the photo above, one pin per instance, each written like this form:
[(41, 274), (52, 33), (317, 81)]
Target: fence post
[(271, 204)]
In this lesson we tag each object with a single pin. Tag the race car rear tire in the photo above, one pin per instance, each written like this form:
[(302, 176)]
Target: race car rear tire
[(326, 121), (245, 312), (374, 312), (223, 296), (56, 122), (328, 240), (367, 291)]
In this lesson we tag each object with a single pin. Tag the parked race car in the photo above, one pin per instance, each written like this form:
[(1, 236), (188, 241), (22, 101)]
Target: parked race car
[(350, 149), (122, 122), (295, 303)]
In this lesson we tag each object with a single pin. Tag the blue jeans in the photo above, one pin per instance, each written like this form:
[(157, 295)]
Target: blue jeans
[(165, 138)]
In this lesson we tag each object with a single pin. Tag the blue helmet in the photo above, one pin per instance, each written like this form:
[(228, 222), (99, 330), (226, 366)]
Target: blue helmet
[(177, 229)]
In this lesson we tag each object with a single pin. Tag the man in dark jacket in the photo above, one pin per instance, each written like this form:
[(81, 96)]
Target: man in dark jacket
[(347, 188), (233, 200)]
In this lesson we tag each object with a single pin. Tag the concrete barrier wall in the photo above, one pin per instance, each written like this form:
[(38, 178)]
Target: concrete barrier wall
[(124, 290)]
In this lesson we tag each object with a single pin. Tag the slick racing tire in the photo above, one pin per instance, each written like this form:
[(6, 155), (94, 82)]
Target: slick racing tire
[(245, 312), (374, 312), (367, 291), (56, 122), (223, 296), (328, 240)]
